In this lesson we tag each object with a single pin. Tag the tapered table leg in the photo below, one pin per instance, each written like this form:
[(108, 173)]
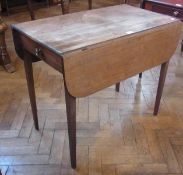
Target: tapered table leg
[(117, 87), (181, 46), (162, 77), (64, 11), (30, 84), (71, 122), (89, 4), (140, 75), (30, 8), (65, 5), (62, 7)]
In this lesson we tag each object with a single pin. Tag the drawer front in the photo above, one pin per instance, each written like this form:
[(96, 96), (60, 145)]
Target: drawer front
[(164, 9), (43, 53)]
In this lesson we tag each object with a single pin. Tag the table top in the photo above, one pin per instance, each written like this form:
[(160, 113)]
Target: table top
[(75, 31), (174, 3)]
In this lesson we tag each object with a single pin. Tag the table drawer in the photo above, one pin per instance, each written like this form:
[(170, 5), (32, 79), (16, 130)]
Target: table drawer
[(43, 53), (172, 11)]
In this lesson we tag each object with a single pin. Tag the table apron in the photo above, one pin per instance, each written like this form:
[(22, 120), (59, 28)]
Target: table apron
[(43, 53)]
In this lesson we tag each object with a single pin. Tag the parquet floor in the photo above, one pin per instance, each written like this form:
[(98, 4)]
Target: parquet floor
[(116, 132)]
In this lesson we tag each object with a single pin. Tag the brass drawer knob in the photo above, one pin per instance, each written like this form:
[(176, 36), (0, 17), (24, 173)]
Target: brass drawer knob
[(38, 52), (175, 13)]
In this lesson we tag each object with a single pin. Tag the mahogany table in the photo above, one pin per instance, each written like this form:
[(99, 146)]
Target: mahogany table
[(95, 49), (169, 7)]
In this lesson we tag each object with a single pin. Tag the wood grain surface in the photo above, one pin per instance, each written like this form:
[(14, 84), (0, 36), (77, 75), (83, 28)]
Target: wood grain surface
[(100, 67), (79, 30)]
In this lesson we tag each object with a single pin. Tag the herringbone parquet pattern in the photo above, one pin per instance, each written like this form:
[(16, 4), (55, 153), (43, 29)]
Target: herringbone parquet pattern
[(116, 132)]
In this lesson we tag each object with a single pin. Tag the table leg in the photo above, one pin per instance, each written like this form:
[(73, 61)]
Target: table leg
[(89, 4), (117, 87), (140, 75), (30, 84), (29, 3), (71, 122), (162, 77), (142, 4), (118, 84), (63, 7), (182, 46), (48, 3)]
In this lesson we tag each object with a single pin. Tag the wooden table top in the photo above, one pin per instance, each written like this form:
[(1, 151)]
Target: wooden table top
[(75, 31), (175, 3)]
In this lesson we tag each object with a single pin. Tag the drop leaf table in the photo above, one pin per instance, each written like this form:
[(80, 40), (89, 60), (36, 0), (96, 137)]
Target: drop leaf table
[(95, 49)]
